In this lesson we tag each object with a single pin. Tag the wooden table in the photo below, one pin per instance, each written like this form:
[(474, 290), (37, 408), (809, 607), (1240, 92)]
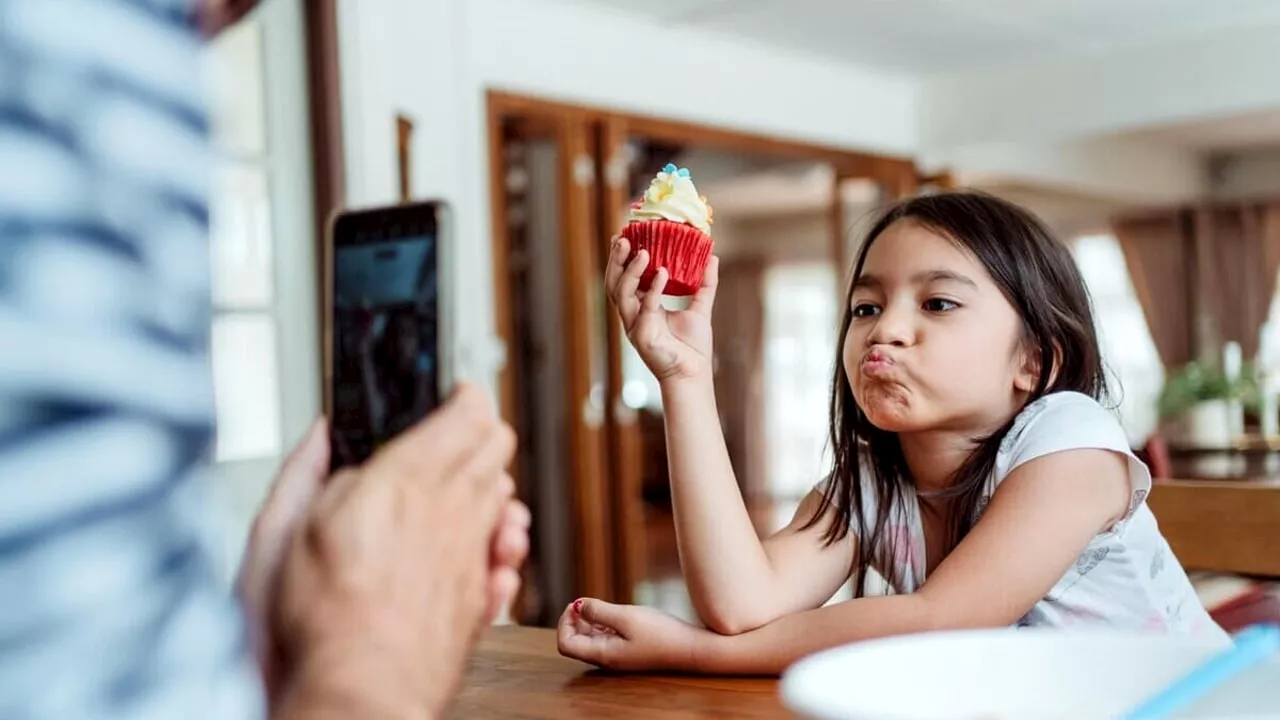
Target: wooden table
[(517, 673)]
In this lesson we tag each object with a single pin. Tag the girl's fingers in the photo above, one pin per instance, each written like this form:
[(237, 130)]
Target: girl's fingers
[(619, 248), (653, 298), (625, 296), (705, 298)]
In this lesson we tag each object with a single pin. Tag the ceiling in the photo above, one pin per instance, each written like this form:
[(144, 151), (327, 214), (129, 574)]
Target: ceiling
[(1232, 134), (922, 37)]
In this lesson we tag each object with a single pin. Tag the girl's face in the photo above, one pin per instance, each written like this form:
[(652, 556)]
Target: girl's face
[(933, 343)]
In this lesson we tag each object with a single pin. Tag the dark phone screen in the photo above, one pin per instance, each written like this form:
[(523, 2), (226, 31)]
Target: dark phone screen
[(385, 333)]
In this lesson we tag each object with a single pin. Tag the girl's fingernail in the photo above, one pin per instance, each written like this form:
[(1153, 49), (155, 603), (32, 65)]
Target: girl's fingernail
[(577, 607)]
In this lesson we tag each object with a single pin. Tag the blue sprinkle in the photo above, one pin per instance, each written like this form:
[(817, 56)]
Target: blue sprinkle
[(670, 168), (684, 172)]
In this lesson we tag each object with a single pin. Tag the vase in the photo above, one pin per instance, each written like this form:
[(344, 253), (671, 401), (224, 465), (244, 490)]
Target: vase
[(1208, 424)]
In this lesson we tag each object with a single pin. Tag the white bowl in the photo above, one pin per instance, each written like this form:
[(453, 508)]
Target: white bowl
[(1014, 674)]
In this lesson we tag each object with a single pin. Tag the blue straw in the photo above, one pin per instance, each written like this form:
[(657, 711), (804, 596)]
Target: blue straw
[(1252, 646)]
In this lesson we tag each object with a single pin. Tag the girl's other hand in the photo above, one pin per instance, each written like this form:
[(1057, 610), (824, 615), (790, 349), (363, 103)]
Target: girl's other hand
[(628, 637)]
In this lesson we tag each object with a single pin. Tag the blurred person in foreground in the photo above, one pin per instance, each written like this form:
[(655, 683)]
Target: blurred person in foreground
[(364, 592)]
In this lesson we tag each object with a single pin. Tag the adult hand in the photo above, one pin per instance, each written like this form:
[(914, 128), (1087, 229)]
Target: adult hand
[(299, 481), (301, 477), (509, 548), (392, 574)]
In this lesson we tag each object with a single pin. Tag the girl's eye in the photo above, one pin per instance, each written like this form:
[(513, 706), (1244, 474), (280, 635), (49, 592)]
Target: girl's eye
[(939, 305), (862, 310)]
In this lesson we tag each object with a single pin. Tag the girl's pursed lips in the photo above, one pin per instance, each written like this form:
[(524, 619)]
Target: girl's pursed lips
[(876, 355), (877, 363)]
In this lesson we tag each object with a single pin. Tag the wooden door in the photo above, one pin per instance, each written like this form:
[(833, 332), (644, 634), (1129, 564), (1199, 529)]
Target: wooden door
[(573, 547), (586, 388), (622, 423)]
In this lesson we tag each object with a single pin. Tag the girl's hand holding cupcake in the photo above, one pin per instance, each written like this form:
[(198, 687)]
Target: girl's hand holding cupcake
[(665, 249), (673, 344)]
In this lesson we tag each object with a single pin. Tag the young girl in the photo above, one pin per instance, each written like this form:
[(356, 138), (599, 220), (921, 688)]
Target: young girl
[(974, 468)]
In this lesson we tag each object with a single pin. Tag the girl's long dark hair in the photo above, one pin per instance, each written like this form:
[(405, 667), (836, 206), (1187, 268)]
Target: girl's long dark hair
[(1037, 274)]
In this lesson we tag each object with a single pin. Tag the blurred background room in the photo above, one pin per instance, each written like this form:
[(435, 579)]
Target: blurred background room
[(1146, 132)]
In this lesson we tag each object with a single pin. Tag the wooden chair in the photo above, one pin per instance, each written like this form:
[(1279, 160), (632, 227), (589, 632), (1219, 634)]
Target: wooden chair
[(1221, 526), (1226, 527)]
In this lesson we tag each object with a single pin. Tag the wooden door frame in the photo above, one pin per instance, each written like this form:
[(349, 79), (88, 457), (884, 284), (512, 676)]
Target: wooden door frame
[(328, 166)]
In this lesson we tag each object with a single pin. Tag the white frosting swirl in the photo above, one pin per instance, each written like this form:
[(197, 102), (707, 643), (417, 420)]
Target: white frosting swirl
[(672, 196)]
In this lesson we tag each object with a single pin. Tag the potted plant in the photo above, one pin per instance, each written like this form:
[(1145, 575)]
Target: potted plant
[(1199, 403)]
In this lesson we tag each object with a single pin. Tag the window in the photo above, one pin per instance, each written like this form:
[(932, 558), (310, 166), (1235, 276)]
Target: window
[(1134, 371), (800, 341), (264, 336), (245, 367), (1269, 341)]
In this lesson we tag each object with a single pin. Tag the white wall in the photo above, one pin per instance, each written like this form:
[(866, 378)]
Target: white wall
[(607, 58), (435, 58), (1218, 75), (1130, 170), (1068, 124)]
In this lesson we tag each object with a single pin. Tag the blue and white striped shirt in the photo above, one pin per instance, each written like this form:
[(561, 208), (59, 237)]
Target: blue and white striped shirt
[(109, 603)]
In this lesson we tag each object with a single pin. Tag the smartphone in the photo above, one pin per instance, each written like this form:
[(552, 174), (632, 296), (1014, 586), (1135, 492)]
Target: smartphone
[(386, 330)]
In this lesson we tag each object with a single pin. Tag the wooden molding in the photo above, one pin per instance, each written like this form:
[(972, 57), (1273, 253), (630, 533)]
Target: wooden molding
[(404, 156), (325, 110), (890, 170)]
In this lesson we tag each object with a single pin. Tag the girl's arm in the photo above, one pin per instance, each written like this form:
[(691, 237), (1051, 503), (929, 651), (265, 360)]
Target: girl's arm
[(736, 581), (1039, 521)]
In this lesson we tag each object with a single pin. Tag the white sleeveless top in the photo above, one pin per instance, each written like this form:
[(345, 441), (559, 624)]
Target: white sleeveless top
[(1126, 578)]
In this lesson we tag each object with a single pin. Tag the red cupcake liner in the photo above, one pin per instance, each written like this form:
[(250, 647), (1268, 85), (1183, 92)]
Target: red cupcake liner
[(682, 249)]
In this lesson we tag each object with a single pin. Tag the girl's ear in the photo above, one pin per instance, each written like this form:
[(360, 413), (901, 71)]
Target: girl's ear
[(1028, 376)]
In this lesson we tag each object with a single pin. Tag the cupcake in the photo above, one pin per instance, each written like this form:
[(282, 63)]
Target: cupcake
[(673, 223)]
